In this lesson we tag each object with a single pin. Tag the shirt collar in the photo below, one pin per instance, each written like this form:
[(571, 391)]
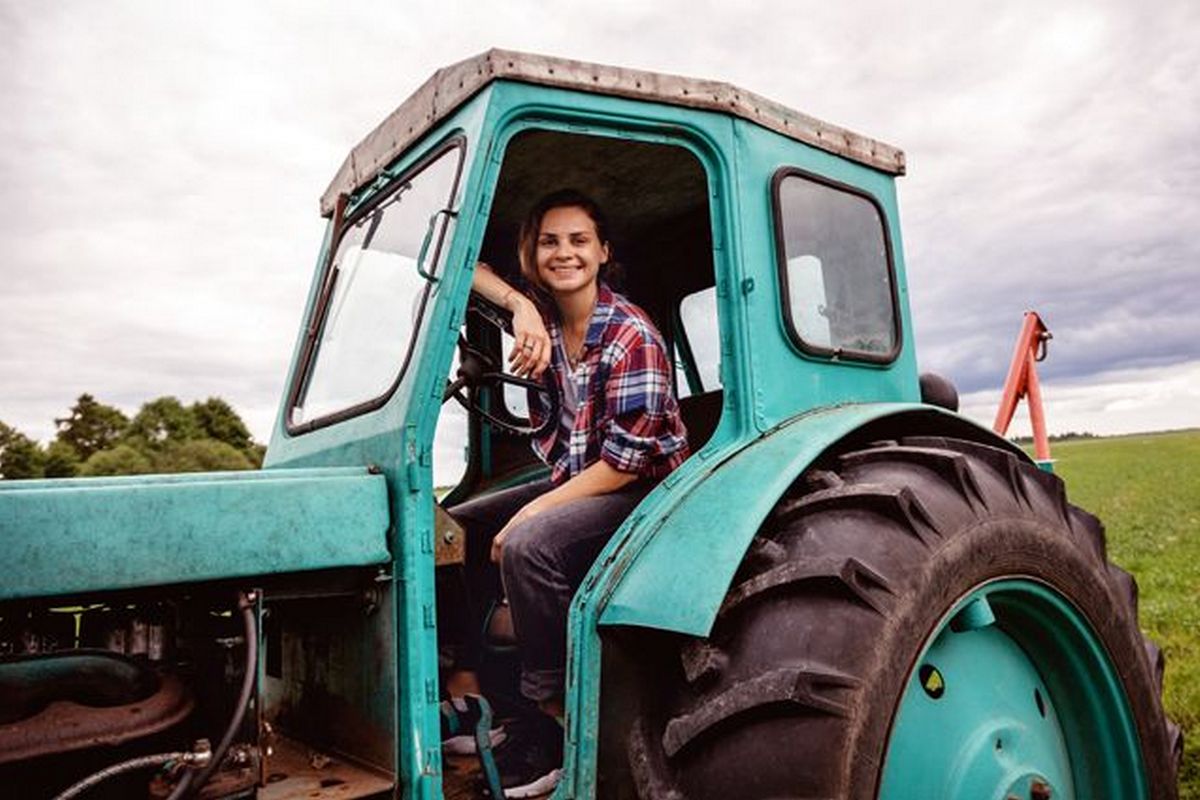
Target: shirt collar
[(605, 300)]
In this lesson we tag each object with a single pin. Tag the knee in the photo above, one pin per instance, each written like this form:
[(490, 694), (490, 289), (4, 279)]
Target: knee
[(525, 547)]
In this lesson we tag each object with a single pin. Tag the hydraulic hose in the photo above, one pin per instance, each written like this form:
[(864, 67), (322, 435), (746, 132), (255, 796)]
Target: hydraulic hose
[(119, 769), (192, 781)]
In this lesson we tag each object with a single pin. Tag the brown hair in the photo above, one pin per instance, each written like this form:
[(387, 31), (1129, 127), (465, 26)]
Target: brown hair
[(563, 198)]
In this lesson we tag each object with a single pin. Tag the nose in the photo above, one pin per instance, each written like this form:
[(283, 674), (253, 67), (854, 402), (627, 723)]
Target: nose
[(564, 250)]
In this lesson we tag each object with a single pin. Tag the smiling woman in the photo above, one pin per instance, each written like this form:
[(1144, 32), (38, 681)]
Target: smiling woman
[(618, 432)]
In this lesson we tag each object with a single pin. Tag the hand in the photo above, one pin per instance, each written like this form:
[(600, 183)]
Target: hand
[(527, 512), (531, 349)]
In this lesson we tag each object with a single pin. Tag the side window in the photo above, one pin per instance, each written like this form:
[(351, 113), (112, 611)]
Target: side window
[(698, 353), (374, 295), (835, 269), (516, 399), (450, 442)]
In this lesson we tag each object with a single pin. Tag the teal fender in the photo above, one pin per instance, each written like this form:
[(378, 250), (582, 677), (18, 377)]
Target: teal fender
[(678, 577), (670, 566)]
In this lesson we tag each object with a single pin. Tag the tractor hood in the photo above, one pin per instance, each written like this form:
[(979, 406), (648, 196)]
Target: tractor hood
[(90, 534)]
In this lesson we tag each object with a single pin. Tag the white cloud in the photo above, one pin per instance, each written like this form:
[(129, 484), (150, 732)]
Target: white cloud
[(1120, 401), (162, 165)]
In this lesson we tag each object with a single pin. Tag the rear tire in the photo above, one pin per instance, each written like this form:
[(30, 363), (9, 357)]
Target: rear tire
[(814, 682)]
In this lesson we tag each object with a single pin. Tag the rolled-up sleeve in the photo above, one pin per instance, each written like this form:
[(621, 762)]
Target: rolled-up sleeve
[(644, 430)]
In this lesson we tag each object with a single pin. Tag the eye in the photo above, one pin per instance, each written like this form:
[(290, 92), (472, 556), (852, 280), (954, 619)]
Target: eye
[(580, 239)]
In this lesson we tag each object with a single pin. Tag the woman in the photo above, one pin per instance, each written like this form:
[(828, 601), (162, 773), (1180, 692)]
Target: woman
[(619, 432)]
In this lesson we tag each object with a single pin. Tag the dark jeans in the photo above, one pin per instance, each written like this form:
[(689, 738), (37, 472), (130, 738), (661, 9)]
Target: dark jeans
[(543, 562)]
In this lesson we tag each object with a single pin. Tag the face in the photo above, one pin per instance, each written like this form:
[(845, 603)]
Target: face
[(569, 251)]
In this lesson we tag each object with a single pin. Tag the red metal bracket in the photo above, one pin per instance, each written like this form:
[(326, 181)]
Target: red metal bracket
[(1022, 382)]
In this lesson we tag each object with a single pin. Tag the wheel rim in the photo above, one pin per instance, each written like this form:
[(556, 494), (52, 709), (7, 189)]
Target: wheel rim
[(1013, 697)]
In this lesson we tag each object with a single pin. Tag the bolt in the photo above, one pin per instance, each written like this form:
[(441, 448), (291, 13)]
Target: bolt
[(1039, 790), (201, 754)]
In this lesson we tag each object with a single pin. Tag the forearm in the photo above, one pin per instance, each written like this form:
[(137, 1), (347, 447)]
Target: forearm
[(494, 288), (599, 478), (531, 343)]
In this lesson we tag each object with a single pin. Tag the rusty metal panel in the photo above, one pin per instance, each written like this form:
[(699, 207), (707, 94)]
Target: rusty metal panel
[(449, 539), (79, 699), (295, 771), (451, 86)]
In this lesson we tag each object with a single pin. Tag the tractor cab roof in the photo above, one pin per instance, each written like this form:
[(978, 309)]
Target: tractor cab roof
[(451, 86)]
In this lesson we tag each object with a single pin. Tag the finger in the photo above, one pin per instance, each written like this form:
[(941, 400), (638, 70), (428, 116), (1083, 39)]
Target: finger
[(521, 365), (528, 357), (541, 360), (519, 359), (518, 348)]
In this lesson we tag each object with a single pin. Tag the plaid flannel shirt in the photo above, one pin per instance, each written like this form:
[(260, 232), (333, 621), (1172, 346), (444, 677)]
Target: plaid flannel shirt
[(627, 413)]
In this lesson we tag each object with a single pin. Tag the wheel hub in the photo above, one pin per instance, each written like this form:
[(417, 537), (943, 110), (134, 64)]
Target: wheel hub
[(1011, 700)]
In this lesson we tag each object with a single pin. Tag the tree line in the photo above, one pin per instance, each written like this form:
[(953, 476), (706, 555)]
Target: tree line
[(164, 436)]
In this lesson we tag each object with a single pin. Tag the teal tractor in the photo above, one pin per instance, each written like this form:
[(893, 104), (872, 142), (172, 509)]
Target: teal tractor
[(848, 590)]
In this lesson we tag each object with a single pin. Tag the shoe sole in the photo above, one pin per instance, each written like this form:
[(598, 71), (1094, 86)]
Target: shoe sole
[(465, 745), (542, 786)]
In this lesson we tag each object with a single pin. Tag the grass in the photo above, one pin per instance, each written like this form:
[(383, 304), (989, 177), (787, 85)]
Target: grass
[(1146, 490)]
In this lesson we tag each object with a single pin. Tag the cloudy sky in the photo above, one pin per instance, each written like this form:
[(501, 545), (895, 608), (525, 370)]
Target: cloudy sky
[(161, 166)]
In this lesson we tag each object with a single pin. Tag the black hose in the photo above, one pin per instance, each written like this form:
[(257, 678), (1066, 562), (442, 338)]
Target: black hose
[(192, 781), (132, 764)]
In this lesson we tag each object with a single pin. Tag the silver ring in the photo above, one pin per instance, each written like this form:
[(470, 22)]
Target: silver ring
[(527, 346)]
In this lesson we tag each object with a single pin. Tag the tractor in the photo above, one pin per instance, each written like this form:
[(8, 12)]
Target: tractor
[(848, 590)]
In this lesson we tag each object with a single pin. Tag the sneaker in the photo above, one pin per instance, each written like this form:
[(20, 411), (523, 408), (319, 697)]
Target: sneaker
[(530, 762), (460, 718)]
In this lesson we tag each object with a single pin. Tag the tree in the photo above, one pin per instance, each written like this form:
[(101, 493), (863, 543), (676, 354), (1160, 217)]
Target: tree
[(61, 460), (20, 456), (90, 427), (120, 460), (201, 455), (164, 436), (162, 421), (219, 421)]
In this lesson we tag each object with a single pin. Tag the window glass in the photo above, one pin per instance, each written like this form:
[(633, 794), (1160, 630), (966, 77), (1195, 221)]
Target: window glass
[(516, 399), (377, 293), (450, 442), (698, 318), (836, 272)]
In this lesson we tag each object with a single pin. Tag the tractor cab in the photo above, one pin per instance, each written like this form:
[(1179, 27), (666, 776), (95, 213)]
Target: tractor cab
[(788, 299), (761, 242)]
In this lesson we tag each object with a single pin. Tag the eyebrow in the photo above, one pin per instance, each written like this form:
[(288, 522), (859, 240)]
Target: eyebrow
[(579, 232)]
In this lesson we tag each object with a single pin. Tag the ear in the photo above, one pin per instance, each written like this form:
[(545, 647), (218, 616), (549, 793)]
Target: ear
[(607, 253)]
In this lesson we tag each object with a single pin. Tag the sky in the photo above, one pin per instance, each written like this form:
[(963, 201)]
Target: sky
[(160, 166)]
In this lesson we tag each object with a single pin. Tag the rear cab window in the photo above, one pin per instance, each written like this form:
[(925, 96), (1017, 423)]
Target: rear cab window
[(697, 344), (835, 270)]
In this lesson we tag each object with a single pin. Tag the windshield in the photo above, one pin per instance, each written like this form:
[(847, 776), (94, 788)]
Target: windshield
[(374, 292)]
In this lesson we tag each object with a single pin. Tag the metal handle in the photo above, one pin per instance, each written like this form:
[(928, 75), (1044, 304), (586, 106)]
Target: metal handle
[(450, 214)]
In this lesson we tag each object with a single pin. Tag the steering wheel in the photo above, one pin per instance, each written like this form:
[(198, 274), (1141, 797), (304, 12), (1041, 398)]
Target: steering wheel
[(477, 369)]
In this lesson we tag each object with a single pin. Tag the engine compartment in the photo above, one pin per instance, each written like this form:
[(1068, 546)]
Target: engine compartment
[(297, 675)]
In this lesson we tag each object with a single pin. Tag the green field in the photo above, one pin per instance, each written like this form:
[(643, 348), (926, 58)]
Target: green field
[(1146, 489)]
